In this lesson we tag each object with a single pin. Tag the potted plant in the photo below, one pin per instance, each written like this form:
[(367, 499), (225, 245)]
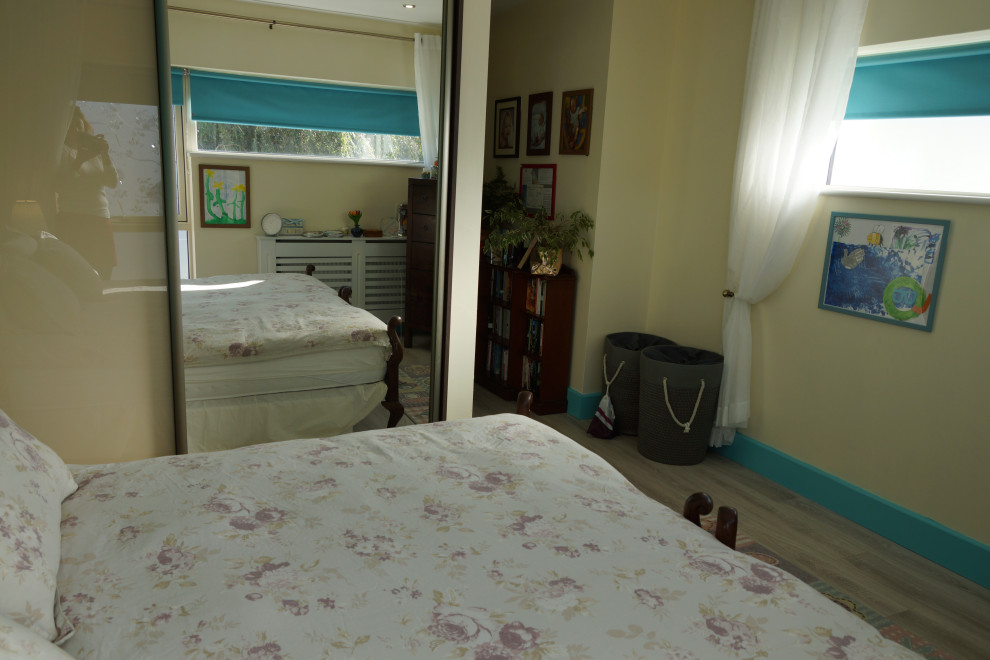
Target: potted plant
[(497, 195), (549, 237)]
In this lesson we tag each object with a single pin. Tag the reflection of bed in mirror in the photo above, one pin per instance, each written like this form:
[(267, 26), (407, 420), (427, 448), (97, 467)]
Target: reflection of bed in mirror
[(275, 356)]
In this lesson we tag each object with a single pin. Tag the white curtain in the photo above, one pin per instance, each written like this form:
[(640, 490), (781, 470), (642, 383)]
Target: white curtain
[(427, 55), (801, 60)]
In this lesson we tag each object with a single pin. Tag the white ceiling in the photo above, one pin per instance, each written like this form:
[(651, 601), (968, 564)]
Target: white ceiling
[(427, 12)]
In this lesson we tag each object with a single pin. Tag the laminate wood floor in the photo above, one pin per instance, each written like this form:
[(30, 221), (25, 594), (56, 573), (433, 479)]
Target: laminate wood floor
[(947, 610)]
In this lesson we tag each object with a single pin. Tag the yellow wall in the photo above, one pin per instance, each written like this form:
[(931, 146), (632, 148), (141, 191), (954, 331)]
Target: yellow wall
[(894, 411), (319, 192), (566, 48)]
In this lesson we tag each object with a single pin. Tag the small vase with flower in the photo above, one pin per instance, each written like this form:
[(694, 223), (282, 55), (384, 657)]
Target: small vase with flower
[(355, 217)]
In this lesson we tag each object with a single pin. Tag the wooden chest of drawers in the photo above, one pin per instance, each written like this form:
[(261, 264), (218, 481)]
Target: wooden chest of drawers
[(421, 228)]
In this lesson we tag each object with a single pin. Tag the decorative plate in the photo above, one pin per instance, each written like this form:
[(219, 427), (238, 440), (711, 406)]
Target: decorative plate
[(271, 223)]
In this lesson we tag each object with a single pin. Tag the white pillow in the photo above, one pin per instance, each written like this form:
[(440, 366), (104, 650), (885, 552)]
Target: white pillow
[(16, 242), (33, 299), (35, 481), (18, 642), (69, 266)]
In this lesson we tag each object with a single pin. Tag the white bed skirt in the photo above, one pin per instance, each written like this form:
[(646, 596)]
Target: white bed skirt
[(251, 420)]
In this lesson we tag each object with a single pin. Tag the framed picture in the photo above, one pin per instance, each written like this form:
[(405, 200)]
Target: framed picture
[(575, 122), (224, 196), (538, 187), (507, 128), (538, 124), (885, 268)]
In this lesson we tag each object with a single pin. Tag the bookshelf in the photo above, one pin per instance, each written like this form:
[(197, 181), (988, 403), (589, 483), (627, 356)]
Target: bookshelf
[(525, 328)]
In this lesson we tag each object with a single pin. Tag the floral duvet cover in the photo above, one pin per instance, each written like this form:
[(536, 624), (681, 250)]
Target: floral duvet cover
[(270, 315), (488, 538)]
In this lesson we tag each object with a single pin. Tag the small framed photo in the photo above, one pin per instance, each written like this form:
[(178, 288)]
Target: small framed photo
[(885, 268), (224, 196), (538, 124), (507, 128), (538, 188), (575, 122)]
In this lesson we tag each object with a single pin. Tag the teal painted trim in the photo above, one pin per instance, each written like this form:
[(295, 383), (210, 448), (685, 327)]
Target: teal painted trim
[(582, 406), (924, 536)]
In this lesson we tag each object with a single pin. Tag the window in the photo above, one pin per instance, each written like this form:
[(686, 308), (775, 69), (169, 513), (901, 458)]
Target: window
[(918, 119), (251, 114), (213, 136)]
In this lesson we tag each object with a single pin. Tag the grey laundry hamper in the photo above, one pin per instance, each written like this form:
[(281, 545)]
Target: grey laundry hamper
[(624, 391), (678, 398)]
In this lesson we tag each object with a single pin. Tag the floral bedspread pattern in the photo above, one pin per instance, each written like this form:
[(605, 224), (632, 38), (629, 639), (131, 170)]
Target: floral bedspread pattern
[(487, 538), (269, 315)]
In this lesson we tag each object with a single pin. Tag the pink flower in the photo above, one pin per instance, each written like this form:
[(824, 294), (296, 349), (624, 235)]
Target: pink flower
[(455, 627), (518, 637), (128, 533), (172, 560), (270, 515), (295, 607), (648, 598), (712, 565), (269, 651)]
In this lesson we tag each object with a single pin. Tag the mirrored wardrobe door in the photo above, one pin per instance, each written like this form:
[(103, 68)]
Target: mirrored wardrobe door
[(85, 362), (279, 46)]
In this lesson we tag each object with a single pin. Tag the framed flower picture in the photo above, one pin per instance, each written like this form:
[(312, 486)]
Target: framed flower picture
[(224, 196), (885, 268)]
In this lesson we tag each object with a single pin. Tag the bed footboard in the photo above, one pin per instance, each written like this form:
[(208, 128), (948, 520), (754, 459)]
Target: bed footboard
[(524, 402), (391, 402), (726, 523)]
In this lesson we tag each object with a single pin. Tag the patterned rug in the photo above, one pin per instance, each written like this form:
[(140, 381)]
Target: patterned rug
[(414, 391), (886, 627)]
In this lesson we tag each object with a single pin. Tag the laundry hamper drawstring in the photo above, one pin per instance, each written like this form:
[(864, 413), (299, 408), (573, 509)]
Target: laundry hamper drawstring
[(666, 398)]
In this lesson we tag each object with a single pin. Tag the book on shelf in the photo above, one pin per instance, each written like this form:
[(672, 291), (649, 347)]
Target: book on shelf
[(534, 337), (531, 286), (530, 374)]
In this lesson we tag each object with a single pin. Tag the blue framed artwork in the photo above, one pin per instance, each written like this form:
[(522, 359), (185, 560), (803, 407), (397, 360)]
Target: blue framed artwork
[(885, 268)]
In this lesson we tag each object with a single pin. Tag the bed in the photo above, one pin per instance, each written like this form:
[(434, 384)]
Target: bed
[(275, 356), (495, 537)]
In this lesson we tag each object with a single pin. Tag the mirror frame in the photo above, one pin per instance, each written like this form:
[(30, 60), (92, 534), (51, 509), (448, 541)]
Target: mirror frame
[(449, 102)]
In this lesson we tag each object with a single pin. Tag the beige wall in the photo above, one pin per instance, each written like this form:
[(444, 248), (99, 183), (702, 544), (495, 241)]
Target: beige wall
[(891, 410), (707, 72), (894, 411), (224, 44), (566, 48), (319, 192)]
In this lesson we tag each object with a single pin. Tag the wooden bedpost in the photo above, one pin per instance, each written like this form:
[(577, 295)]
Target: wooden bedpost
[(310, 269), (726, 524), (391, 402), (345, 293), (524, 402)]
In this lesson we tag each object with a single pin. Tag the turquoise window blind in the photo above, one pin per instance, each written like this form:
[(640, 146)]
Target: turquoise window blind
[(236, 99), (177, 96), (939, 82)]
